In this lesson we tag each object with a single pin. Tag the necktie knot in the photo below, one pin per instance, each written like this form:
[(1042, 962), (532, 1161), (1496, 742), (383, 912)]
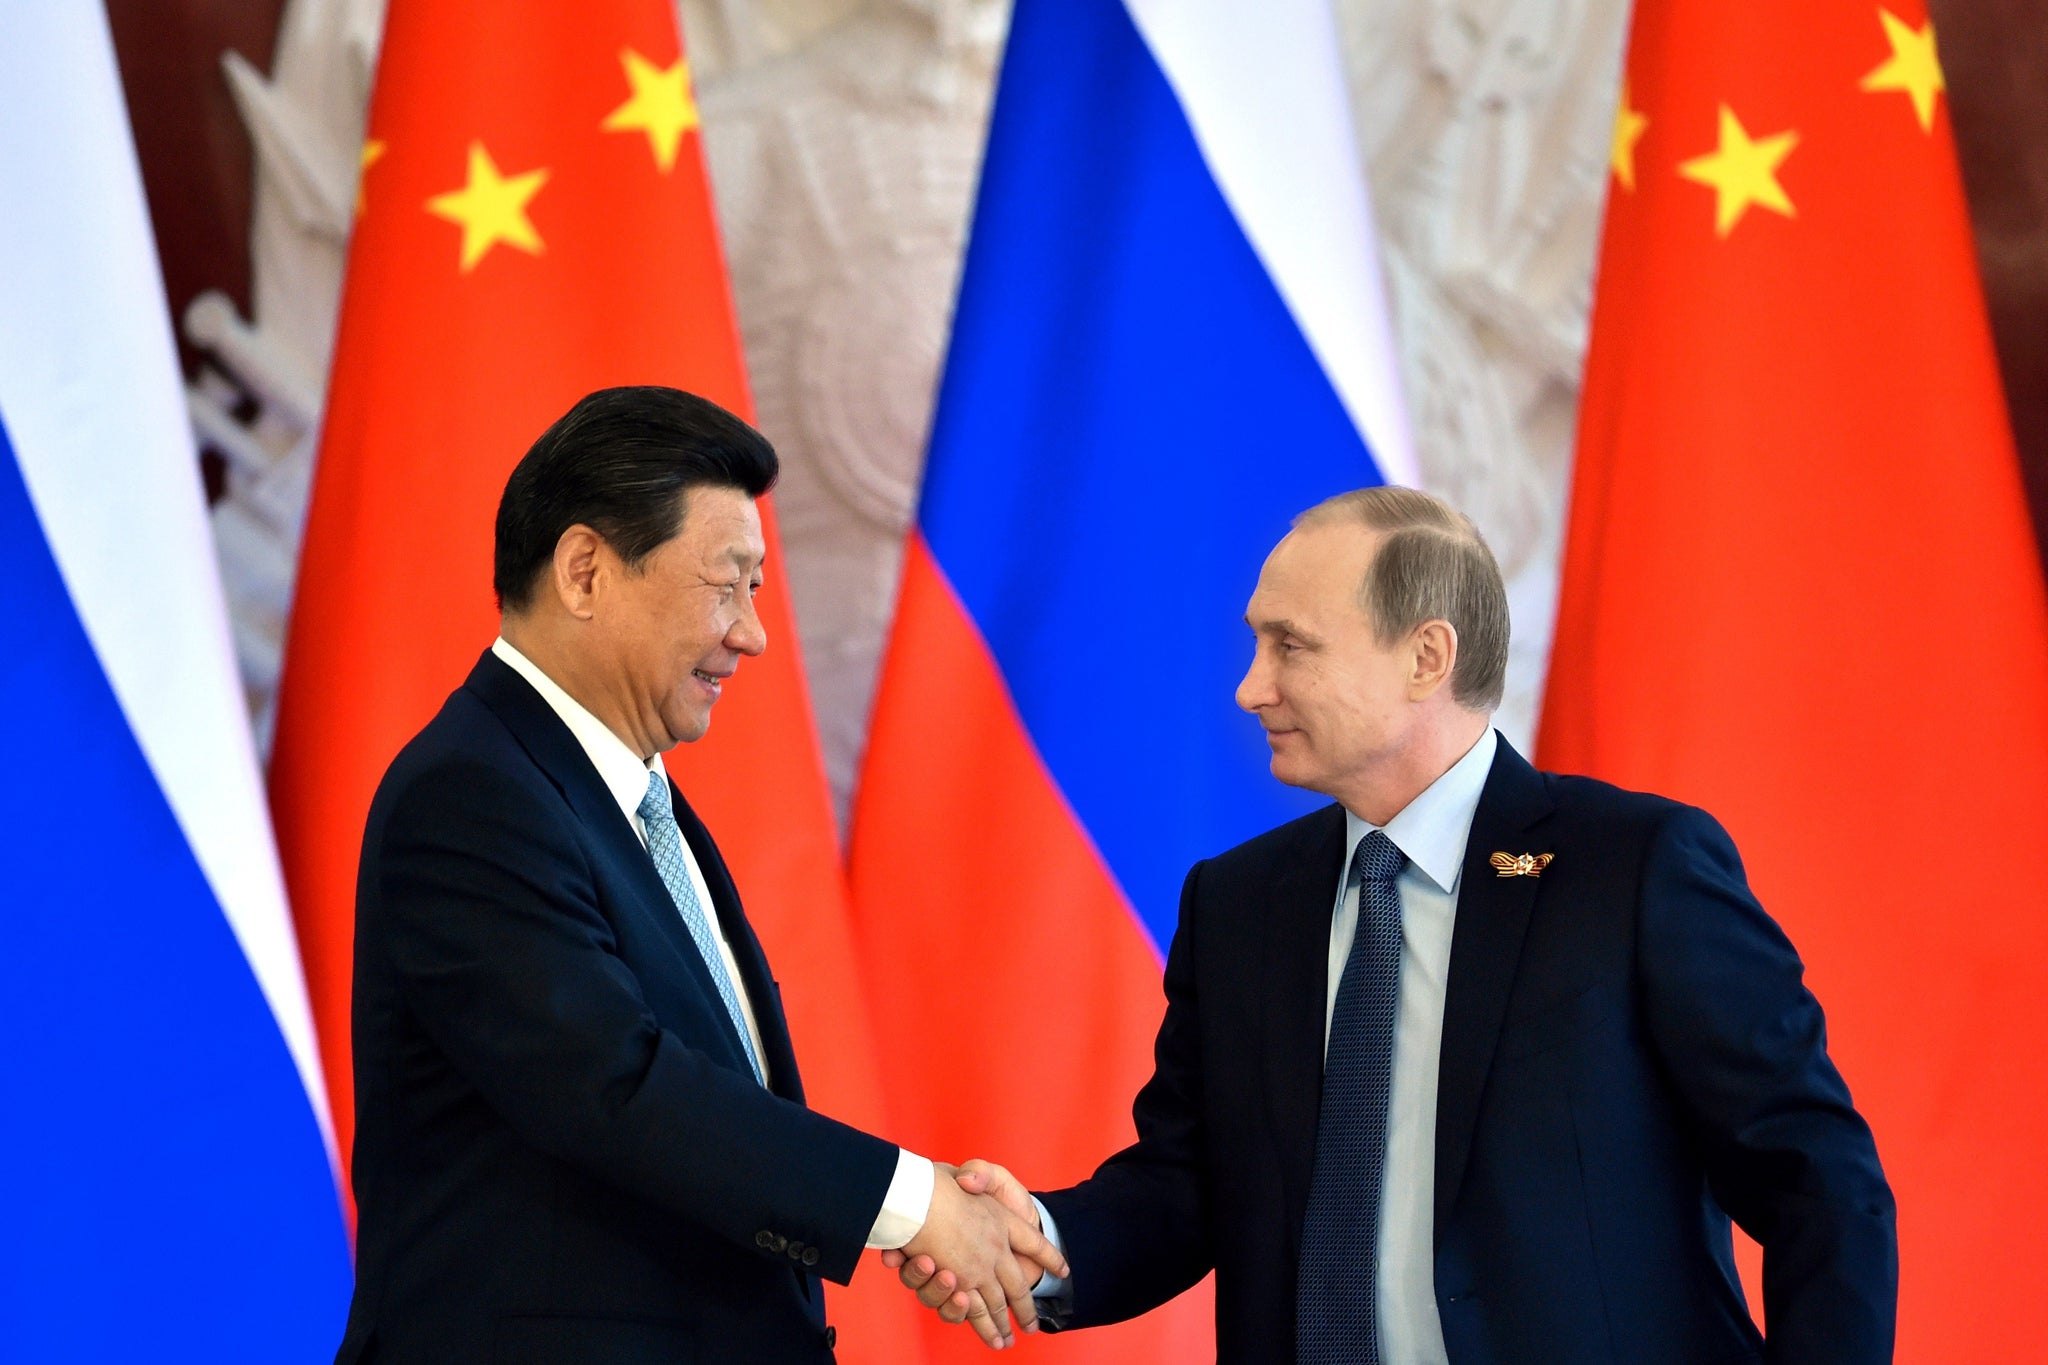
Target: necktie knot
[(1377, 859), (656, 804)]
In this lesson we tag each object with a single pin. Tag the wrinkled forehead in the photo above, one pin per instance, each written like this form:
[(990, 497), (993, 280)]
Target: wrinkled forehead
[(723, 526)]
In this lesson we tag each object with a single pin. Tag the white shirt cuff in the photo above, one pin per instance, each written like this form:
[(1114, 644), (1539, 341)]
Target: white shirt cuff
[(1050, 1286), (907, 1204)]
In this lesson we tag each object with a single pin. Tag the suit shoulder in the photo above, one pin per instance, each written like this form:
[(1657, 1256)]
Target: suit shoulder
[(1582, 802), (464, 787), (465, 741)]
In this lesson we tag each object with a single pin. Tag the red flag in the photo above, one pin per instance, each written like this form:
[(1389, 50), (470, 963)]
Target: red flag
[(535, 222), (1800, 589), (976, 827)]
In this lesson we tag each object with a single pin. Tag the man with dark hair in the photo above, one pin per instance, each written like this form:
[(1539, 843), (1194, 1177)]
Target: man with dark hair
[(1476, 1064), (581, 1134)]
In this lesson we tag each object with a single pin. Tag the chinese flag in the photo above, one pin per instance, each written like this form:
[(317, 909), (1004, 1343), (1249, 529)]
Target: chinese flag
[(535, 222), (1800, 589)]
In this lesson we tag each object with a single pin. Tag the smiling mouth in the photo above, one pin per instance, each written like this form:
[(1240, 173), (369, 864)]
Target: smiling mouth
[(711, 680)]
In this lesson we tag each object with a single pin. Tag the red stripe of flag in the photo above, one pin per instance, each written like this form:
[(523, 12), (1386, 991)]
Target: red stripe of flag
[(1031, 990), (1800, 589)]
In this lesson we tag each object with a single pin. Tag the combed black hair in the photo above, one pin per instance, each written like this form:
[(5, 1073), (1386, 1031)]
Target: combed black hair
[(620, 462)]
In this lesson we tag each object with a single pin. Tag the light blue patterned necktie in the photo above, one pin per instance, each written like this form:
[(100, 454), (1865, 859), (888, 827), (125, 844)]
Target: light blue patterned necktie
[(665, 843), (1337, 1289)]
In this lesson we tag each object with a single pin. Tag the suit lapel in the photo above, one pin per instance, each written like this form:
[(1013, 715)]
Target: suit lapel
[(747, 953), (555, 749), (1294, 1002), (1486, 945), (552, 747)]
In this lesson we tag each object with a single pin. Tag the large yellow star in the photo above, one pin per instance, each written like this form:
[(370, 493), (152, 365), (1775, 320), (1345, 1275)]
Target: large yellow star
[(660, 105), (491, 208), (372, 151), (1742, 172), (1913, 67), (1629, 125)]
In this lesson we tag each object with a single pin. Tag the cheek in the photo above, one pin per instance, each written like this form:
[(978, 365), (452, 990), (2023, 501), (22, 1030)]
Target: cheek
[(1313, 691), (1352, 716), (683, 637), (708, 631)]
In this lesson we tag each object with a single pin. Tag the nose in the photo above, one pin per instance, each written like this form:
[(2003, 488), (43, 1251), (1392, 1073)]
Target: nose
[(1256, 690), (747, 636)]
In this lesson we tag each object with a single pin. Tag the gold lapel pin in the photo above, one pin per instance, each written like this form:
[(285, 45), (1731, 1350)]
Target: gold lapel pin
[(1520, 864)]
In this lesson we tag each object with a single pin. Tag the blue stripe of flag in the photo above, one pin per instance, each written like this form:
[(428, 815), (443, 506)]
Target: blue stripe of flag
[(165, 1186), (1128, 419)]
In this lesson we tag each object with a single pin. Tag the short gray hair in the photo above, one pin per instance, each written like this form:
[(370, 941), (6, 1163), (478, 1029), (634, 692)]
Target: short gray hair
[(1432, 565)]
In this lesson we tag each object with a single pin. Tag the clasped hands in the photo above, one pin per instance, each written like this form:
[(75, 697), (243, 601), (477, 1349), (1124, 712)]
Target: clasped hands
[(979, 1253)]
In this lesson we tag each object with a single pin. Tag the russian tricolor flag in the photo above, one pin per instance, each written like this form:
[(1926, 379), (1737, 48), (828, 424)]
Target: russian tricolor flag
[(166, 1184), (1170, 338)]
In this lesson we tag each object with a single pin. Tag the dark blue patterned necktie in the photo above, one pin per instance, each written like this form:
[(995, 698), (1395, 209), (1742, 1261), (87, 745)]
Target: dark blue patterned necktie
[(1336, 1301)]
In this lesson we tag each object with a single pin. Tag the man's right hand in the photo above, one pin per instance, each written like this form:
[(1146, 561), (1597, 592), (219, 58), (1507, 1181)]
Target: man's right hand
[(940, 1289), (979, 1252)]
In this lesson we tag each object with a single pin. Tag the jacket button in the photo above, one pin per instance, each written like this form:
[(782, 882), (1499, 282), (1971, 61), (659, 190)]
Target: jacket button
[(765, 1240), (796, 1251), (810, 1255), (779, 1243), (831, 1337)]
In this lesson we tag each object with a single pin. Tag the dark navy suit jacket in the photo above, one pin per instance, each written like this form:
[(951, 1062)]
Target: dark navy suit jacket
[(1629, 1059), (562, 1154)]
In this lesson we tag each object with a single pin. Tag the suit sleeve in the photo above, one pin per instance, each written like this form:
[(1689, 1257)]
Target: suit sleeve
[(1744, 1043), (1137, 1232), (488, 911)]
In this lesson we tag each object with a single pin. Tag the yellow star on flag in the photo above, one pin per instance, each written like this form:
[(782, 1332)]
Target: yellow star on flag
[(491, 208), (1629, 125), (660, 106), (372, 150), (1742, 171), (1912, 68)]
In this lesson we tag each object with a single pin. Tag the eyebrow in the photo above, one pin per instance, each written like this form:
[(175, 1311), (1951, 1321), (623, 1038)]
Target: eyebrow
[(741, 557), (1282, 626)]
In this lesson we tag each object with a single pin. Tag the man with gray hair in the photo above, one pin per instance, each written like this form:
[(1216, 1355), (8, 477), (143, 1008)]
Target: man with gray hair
[(1478, 1063)]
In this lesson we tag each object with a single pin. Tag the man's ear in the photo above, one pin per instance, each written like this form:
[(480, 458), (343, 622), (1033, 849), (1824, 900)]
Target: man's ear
[(573, 575), (1436, 655)]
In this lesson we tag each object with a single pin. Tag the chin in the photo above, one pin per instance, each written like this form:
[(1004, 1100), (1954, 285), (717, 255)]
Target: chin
[(1293, 774), (687, 729)]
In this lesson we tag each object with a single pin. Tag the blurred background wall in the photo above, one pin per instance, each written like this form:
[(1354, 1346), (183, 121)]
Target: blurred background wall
[(844, 138)]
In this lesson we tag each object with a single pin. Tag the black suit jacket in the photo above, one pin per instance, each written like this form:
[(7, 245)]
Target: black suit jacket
[(561, 1152), (1629, 1058)]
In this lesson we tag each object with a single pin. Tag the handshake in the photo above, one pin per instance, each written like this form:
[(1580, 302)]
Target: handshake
[(980, 1252)]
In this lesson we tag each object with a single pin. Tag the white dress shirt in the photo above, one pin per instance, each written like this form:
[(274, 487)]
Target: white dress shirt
[(623, 773), (1431, 831)]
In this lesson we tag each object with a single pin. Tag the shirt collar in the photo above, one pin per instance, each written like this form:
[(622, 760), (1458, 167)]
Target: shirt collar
[(1432, 829), (618, 767)]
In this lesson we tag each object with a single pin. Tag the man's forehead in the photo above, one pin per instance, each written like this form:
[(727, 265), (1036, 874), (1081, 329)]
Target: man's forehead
[(1327, 539), (725, 524), (1313, 571), (1277, 603), (1322, 555)]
